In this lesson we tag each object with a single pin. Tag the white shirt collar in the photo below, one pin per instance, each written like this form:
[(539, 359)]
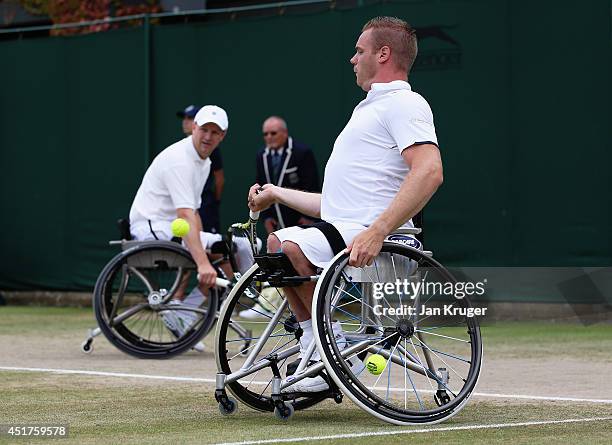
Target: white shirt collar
[(389, 86), (280, 151)]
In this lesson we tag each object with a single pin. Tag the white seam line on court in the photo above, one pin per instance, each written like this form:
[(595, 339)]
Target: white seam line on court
[(205, 380), (415, 431)]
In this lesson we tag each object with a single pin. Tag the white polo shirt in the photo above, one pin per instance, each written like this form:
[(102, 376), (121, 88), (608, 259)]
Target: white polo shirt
[(366, 169), (174, 180)]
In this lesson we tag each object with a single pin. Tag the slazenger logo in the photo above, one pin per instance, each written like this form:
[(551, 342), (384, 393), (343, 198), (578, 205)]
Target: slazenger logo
[(438, 49), (406, 240)]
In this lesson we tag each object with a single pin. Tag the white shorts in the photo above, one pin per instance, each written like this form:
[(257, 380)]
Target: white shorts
[(314, 244), (141, 231), (316, 247)]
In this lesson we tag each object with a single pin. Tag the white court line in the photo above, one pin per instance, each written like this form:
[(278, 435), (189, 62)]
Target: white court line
[(108, 374), (416, 431), (205, 380)]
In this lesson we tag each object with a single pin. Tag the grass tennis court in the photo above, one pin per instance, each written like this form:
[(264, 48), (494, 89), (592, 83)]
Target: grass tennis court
[(546, 363)]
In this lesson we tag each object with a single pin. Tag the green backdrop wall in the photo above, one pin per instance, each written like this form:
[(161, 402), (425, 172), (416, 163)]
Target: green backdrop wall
[(520, 92)]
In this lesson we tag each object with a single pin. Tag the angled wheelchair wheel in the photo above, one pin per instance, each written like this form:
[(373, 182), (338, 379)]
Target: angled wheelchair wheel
[(272, 335), (134, 307), (411, 352)]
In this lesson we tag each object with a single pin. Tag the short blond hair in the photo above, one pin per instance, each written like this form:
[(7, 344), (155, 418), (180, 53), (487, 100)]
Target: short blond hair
[(397, 35)]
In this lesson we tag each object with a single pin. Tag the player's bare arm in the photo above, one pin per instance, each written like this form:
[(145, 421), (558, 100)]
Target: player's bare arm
[(219, 183), (262, 197), (422, 181), (206, 272)]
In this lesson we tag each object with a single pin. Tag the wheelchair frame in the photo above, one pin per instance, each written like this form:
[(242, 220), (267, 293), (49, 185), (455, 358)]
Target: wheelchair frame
[(359, 343)]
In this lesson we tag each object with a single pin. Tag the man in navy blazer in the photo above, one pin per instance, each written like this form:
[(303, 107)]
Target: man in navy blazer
[(286, 163)]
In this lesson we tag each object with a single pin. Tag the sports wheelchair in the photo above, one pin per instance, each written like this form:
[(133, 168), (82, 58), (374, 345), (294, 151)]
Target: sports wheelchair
[(134, 298), (405, 313)]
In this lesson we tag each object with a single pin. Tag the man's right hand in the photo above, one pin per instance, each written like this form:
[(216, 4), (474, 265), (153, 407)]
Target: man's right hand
[(261, 197), (207, 275)]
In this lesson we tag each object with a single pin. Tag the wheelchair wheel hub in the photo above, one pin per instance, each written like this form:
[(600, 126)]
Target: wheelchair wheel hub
[(404, 327), (156, 297)]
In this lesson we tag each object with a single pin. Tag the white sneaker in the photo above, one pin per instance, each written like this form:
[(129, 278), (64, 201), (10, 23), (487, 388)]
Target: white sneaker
[(318, 383), (256, 313), (198, 347), (178, 322), (309, 384), (266, 303)]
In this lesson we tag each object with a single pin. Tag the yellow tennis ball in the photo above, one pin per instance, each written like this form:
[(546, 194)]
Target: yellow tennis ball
[(376, 364), (180, 227)]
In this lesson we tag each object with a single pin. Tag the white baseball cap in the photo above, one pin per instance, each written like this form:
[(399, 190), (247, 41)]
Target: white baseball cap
[(214, 114)]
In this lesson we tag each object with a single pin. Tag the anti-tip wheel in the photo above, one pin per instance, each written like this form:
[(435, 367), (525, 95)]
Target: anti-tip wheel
[(87, 347), (285, 413), (441, 398), (229, 406)]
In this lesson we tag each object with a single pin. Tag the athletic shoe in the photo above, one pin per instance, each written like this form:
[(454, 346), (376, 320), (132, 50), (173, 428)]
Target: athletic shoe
[(177, 321), (198, 347), (256, 313), (309, 384), (318, 382), (305, 340), (266, 303)]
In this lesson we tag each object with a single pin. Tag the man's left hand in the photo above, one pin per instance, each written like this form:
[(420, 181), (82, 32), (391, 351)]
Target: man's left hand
[(365, 247)]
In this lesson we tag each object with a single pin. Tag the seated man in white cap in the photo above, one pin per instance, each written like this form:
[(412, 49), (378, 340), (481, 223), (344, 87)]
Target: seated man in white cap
[(172, 188)]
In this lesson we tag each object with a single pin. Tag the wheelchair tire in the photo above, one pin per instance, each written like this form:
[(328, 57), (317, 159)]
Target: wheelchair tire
[(131, 298), (254, 390), (431, 358)]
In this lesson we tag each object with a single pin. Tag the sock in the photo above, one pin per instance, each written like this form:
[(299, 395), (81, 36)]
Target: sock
[(307, 336), (195, 298)]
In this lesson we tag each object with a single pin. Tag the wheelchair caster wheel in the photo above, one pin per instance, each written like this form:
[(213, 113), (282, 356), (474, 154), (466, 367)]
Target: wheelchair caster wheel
[(338, 398), (87, 347), (284, 411), (228, 406), (441, 397)]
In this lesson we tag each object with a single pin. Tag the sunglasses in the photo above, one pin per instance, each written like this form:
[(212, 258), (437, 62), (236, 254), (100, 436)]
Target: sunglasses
[(271, 133)]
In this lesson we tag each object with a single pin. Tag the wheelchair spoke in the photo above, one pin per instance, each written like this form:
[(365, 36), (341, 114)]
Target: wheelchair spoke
[(138, 321), (406, 373), (360, 293), (253, 345), (151, 327), (399, 294), (389, 365), (359, 301), (373, 344), (444, 361), (440, 335), (260, 313), (261, 295), (421, 363)]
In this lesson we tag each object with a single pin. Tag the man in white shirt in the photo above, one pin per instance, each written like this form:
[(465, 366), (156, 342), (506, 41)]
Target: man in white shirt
[(384, 167)]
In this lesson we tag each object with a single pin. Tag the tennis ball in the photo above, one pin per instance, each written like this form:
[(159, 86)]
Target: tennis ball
[(376, 364), (180, 227)]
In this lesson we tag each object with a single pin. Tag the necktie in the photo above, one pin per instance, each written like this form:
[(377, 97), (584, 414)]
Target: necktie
[(276, 165)]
